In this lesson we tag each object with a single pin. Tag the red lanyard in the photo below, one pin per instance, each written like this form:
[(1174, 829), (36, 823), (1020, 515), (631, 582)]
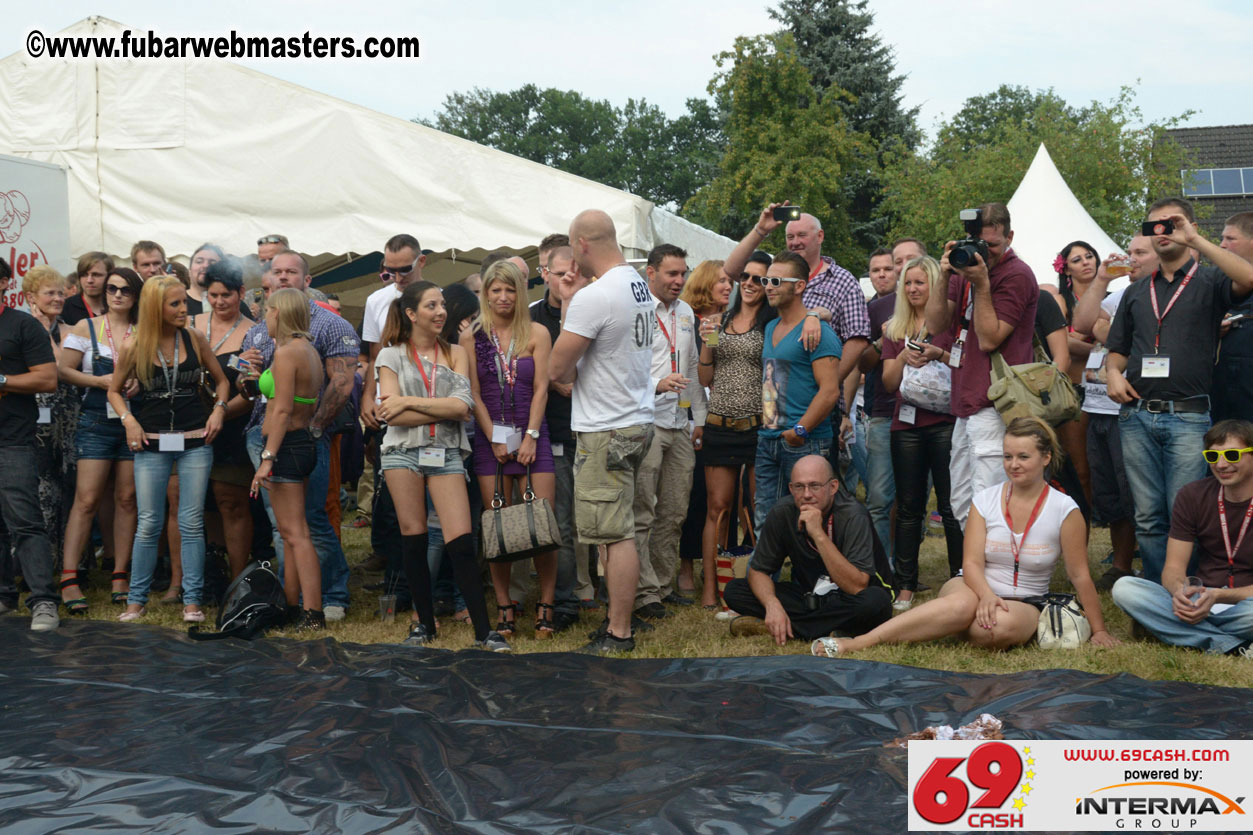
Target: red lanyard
[(1157, 337), (1244, 528), (508, 362), (91, 314), (674, 354), (1015, 546), (430, 384), (108, 333)]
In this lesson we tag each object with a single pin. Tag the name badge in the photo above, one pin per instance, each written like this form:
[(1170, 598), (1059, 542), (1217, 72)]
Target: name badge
[(110, 412), (955, 352), (908, 413), (1155, 366), (501, 433), (1096, 359), (558, 450), (45, 414), (431, 456), (171, 442)]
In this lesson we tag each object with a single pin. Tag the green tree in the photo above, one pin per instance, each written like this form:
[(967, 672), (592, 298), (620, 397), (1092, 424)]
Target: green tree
[(835, 42), (637, 147), (1112, 160), (783, 142)]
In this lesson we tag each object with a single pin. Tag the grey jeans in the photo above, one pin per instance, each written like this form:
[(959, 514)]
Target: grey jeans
[(23, 538)]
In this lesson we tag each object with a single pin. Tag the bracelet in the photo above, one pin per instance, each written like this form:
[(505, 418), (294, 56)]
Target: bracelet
[(760, 233), (221, 403), (702, 362)]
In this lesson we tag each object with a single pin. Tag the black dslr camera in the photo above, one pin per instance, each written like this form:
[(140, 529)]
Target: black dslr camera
[(963, 255)]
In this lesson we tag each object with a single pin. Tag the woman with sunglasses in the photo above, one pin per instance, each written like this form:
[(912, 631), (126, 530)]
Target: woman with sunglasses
[(170, 424), (87, 361), (730, 366)]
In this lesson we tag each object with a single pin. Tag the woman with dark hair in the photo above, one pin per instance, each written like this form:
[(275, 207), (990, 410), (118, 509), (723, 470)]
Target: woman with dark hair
[(987, 605), (204, 256), (87, 361), (424, 398), (730, 366), (224, 326), (1076, 267), (170, 425), (462, 306)]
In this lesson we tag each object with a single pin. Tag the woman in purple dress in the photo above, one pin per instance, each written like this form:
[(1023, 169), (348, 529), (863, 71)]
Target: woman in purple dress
[(510, 354)]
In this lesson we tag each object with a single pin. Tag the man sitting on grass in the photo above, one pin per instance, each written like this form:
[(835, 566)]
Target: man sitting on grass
[(837, 566), (1217, 614)]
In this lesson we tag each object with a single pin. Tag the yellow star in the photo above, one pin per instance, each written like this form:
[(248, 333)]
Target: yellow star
[(1030, 761), (1019, 803), (1030, 775), (1027, 750), (1025, 788)]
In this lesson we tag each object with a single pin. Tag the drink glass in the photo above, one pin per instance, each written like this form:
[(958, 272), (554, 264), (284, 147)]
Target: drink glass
[(1192, 588), (1119, 265), (387, 608)]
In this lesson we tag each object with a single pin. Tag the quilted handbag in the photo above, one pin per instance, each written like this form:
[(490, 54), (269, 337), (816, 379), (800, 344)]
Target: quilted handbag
[(1062, 623), (929, 387), (1034, 388), (518, 531)]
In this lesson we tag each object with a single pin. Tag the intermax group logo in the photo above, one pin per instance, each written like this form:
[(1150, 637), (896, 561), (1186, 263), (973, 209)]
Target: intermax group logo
[(1158, 804)]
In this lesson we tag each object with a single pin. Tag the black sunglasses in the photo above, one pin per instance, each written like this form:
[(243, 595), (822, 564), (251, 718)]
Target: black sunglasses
[(749, 277), (394, 271), (114, 290)]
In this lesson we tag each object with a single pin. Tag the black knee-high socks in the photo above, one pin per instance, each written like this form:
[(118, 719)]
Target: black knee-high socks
[(418, 575), (465, 569)]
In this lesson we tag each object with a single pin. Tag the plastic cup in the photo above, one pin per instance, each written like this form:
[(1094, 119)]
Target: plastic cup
[(1192, 588), (387, 608), (1119, 266)]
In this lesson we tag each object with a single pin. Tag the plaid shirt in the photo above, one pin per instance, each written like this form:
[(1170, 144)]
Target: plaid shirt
[(332, 336), (835, 289)]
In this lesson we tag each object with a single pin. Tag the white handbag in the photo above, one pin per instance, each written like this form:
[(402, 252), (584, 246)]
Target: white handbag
[(929, 387), (1062, 623)]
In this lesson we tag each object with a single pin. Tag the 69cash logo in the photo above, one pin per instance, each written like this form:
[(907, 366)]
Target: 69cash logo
[(989, 789)]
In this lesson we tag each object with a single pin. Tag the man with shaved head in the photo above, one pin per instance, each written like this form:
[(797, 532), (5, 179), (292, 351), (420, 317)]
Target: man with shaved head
[(605, 349), (840, 575)]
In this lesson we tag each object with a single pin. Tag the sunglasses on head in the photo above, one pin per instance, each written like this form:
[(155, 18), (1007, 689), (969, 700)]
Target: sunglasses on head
[(776, 281), (269, 239), (1233, 456)]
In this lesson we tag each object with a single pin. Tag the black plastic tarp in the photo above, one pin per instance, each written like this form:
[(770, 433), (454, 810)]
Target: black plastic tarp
[(136, 729)]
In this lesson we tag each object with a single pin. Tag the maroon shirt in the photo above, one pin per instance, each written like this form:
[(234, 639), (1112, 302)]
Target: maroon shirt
[(892, 348), (1015, 296), (1195, 519)]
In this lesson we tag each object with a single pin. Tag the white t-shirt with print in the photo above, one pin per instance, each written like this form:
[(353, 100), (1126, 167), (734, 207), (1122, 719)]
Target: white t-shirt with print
[(613, 388), (1096, 399), (1038, 551)]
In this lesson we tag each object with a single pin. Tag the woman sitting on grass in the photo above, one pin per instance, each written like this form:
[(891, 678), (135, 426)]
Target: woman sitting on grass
[(1014, 536)]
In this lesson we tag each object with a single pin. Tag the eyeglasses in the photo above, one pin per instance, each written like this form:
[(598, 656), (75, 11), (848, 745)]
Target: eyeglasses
[(391, 272), (808, 486), (114, 290), (1233, 456), (269, 239), (775, 281), (750, 278)]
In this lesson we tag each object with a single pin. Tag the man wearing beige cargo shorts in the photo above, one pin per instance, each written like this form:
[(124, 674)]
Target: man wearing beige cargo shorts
[(605, 350)]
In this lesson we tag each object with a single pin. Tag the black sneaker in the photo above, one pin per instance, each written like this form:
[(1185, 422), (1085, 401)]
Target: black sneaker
[(494, 642), (676, 599), (637, 625), (653, 611), (564, 620), (444, 608), (606, 644), (419, 635), (311, 620)]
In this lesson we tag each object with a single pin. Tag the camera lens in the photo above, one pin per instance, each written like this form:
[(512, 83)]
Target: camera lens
[(963, 255)]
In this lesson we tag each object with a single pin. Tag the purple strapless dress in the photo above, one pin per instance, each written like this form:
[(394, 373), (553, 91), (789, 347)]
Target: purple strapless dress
[(497, 401)]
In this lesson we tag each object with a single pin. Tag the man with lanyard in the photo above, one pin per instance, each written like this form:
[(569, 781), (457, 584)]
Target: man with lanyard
[(573, 578), (1160, 368), (990, 306), (27, 367), (837, 581), (664, 483), (89, 302), (1212, 610), (337, 343)]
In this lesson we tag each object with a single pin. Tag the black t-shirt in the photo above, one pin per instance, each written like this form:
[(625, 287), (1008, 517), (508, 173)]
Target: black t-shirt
[(75, 310), (879, 403), (194, 307), (782, 538), (1194, 519), (557, 412), (1048, 318), (23, 344), (1189, 332)]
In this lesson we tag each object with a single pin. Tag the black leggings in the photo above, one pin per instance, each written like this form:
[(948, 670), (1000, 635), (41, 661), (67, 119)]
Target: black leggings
[(914, 453)]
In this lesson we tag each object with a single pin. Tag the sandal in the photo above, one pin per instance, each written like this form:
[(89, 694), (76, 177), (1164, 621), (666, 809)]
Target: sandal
[(75, 605), (462, 616), (507, 627), (120, 577), (544, 621), (174, 595), (826, 648)]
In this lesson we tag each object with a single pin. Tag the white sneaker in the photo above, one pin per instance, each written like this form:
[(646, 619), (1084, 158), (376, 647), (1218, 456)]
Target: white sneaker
[(44, 617), (902, 605), (333, 613), (726, 614)]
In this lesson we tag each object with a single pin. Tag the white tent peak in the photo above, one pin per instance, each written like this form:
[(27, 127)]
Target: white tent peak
[(1046, 216)]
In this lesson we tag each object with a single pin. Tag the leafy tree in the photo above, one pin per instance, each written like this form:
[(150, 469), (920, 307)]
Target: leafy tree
[(782, 142), (637, 148), (1113, 162)]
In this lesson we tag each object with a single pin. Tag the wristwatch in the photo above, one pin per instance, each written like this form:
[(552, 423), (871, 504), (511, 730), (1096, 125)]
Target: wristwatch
[(533, 433), (4, 381), (266, 455), (221, 403), (800, 430), (814, 314)]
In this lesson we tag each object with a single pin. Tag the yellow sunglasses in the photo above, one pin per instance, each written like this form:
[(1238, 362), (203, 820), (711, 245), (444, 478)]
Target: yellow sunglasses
[(1233, 456)]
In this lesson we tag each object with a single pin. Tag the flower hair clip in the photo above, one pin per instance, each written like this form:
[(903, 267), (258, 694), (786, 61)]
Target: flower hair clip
[(1059, 264)]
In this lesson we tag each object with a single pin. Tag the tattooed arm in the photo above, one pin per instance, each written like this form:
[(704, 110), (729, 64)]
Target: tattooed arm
[(339, 377)]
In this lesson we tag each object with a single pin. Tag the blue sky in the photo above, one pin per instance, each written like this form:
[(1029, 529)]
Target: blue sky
[(1183, 55)]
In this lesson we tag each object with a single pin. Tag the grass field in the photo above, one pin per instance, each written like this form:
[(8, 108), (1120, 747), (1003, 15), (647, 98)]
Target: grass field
[(693, 632)]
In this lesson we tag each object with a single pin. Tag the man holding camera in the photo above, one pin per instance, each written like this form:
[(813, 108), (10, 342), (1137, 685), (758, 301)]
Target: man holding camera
[(990, 306), (1161, 366)]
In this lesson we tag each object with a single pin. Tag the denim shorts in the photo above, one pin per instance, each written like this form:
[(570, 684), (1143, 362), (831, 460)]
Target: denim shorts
[(101, 439), (296, 458), (402, 458)]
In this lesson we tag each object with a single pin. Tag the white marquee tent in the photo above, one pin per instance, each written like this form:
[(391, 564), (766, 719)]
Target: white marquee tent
[(181, 151), (1046, 216)]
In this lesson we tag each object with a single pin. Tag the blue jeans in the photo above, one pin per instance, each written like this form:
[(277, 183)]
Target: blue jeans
[(775, 460), (1161, 452), (152, 477), (880, 483), (1150, 605), (857, 455), (330, 553)]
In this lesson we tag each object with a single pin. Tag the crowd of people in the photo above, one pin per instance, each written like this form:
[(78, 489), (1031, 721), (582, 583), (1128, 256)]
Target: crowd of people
[(667, 415)]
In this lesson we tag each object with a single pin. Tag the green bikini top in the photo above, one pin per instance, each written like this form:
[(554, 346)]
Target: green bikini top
[(266, 384)]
